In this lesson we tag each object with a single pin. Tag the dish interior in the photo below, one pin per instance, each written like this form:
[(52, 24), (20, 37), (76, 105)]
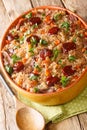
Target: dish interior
[(45, 50)]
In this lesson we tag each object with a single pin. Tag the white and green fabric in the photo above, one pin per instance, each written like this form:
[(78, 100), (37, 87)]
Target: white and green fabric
[(61, 112)]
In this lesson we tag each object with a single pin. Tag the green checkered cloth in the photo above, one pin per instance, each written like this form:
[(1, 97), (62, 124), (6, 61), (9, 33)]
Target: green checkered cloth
[(60, 112)]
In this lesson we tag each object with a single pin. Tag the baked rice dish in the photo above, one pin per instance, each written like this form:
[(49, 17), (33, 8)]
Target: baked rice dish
[(46, 50)]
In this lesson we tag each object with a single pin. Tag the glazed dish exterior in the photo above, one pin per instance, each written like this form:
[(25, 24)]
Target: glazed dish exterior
[(43, 55)]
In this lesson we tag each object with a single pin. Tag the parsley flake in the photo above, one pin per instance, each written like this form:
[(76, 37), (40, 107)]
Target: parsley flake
[(64, 80)]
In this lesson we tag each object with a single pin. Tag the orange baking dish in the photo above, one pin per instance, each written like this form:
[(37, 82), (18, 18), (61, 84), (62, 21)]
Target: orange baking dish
[(52, 98)]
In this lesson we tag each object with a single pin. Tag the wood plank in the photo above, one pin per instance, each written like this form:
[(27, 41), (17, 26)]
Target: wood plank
[(4, 20), (2, 112), (78, 6), (68, 124), (10, 111), (83, 121), (15, 7), (36, 3), (71, 123)]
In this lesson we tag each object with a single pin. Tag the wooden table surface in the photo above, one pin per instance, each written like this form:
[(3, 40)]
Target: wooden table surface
[(9, 10)]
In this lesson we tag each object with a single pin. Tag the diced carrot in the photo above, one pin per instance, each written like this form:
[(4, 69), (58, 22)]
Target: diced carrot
[(33, 83), (75, 77), (34, 12), (24, 60), (47, 19), (57, 42), (35, 30), (79, 23), (43, 31), (83, 49), (52, 24), (28, 89), (47, 72), (23, 29), (30, 34), (19, 82), (85, 34), (35, 71), (7, 41), (77, 67), (82, 26), (46, 61)]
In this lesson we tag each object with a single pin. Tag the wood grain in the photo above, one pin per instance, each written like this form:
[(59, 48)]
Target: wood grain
[(71, 123), (68, 124), (83, 121), (9, 110), (36, 3), (14, 7), (2, 112), (3, 26), (9, 10), (4, 20), (78, 6)]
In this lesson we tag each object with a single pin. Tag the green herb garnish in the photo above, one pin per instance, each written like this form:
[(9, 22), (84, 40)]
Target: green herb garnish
[(31, 51), (33, 77), (85, 51), (18, 46), (27, 32), (81, 35), (36, 89), (55, 53), (33, 41), (74, 39), (29, 15), (37, 67), (72, 58), (21, 40), (57, 16), (35, 26), (43, 42), (64, 80), (43, 14), (60, 61), (13, 31), (15, 58), (66, 25), (9, 69)]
